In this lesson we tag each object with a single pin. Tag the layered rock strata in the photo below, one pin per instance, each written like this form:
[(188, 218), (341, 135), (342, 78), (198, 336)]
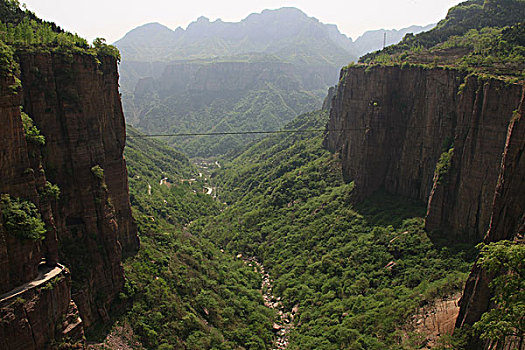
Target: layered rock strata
[(392, 125), (74, 102)]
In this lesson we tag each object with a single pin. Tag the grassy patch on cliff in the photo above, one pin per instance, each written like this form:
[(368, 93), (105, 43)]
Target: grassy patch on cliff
[(357, 272)]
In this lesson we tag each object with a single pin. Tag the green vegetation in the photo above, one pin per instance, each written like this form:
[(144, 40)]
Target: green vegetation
[(188, 294), (443, 165), (106, 50), (98, 172), (472, 14), (8, 63), (177, 200), (21, 218), (183, 292), (23, 30), (266, 105), (50, 191), (31, 131), (357, 272), (507, 261), (480, 36)]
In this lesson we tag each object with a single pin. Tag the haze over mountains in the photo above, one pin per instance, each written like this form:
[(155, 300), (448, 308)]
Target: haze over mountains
[(287, 33), (256, 74)]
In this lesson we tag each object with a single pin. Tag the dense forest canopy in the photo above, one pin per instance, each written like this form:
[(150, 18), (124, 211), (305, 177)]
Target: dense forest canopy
[(182, 291), (341, 264)]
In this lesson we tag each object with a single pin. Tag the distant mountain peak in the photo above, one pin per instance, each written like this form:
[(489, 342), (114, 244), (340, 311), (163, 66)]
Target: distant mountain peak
[(203, 19), (144, 31), (287, 33), (286, 9), (153, 26)]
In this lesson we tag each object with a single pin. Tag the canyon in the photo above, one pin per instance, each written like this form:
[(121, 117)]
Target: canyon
[(367, 230), (438, 136)]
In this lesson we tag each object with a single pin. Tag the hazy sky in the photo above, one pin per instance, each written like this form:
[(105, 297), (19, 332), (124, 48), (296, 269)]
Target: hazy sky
[(111, 19)]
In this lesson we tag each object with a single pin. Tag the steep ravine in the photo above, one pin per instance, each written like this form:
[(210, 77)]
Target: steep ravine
[(74, 101), (452, 141)]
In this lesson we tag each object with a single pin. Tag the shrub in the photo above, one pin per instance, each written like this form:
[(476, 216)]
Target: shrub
[(50, 191), (21, 218), (506, 259), (98, 172), (105, 49), (32, 133), (443, 165)]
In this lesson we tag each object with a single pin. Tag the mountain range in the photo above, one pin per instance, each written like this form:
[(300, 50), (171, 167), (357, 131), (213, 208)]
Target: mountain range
[(287, 33), (256, 74)]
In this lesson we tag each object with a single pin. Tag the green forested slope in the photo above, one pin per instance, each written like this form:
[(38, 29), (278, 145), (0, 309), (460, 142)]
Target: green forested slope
[(182, 291), (263, 105), (468, 15), (356, 272), (486, 36)]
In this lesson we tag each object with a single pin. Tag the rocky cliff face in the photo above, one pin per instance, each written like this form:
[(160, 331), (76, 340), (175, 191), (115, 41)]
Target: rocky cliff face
[(19, 258), (75, 103), (41, 316), (507, 221), (395, 124), (455, 142)]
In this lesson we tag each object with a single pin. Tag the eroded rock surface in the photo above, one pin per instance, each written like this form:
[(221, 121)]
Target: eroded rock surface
[(74, 102)]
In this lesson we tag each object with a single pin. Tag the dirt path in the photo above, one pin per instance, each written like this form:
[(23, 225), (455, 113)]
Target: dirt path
[(45, 273)]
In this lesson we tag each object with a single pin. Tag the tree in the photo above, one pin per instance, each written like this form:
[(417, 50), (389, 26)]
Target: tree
[(506, 260)]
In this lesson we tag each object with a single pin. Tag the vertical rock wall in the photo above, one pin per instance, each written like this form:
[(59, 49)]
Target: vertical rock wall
[(75, 103), (393, 124), (507, 221), (461, 200), (33, 317), (19, 258), (454, 142)]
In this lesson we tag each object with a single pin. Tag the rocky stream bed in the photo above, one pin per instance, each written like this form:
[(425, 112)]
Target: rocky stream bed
[(285, 321)]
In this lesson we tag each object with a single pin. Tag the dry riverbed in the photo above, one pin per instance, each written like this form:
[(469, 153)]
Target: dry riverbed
[(284, 324)]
